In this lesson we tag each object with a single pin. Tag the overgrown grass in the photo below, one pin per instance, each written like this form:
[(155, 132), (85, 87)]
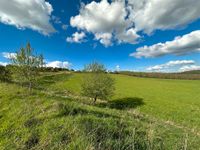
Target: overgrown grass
[(52, 117)]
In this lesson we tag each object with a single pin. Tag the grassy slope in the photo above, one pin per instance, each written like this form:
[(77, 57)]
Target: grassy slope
[(47, 119), (170, 100)]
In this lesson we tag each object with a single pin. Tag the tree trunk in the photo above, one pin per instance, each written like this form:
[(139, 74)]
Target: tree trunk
[(95, 99)]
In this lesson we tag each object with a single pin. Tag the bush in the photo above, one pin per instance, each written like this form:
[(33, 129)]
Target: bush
[(4, 74)]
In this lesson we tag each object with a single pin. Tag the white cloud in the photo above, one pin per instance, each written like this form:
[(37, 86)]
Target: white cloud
[(170, 65), (105, 38), (58, 64), (100, 17), (155, 68), (107, 21), (149, 15), (117, 68), (8, 55), (32, 14), (128, 36), (179, 46), (189, 68), (3, 63), (124, 19), (179, 62), (76, 38)]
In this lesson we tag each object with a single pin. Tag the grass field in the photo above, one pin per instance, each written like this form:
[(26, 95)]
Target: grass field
[(144, 114), (175, 101)]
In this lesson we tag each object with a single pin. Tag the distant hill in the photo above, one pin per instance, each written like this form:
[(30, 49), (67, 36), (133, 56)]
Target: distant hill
[(192, 72), (189, 75)]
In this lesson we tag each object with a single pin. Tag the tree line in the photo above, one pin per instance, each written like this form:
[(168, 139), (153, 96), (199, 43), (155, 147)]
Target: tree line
[(191, 75)]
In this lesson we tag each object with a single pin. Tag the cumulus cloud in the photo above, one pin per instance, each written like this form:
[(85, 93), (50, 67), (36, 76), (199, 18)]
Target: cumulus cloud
[(124, 19), (100, 17), (105, 38), (76, 38), (128, 36), (107, 21), (171, 65), (179, 46), (189, 68), (32, 14), (149, 15), (58, 64), (9, 55)]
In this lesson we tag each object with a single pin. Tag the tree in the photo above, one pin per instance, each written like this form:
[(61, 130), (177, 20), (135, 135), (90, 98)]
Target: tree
[(95, 67), (97, 84), (26, 65)]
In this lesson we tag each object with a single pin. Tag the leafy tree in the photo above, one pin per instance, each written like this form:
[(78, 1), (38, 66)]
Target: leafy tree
[(26, 65), (95, 67), (4, 74), (97, 84)]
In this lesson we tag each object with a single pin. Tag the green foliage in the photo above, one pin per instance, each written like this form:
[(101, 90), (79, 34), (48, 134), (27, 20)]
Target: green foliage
[(97, 84), (51, 69), (95, 67), (26, 65), (5, 74)]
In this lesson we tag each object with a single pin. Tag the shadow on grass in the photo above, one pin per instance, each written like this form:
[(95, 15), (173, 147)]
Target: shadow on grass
[(71, 110), (123, 103), (32, 141)]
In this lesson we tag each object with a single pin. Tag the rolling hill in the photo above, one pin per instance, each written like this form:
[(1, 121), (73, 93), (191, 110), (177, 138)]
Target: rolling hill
[(144, 114)]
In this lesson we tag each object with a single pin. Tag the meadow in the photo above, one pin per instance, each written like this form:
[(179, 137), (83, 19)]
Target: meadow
[(144, 113), (171, 100)]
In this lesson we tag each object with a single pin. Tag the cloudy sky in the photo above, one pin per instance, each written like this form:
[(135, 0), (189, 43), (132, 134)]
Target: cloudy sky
[(137, 35)]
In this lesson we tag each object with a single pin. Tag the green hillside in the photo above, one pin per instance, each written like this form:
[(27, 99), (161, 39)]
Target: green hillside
[(172, 100), (144, 114)]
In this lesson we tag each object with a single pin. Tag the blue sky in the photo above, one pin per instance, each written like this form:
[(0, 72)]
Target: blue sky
[(110, 32)]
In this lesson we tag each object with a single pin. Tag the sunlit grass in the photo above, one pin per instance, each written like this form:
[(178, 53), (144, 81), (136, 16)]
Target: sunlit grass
[(144, 113), (170, 100)]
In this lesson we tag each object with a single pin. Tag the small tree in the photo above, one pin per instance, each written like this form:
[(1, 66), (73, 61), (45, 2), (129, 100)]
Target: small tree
[(26, 65), (95, 67), (97, 84)]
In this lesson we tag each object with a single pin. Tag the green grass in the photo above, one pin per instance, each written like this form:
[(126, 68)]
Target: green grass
[(170, 100), (144, 114)]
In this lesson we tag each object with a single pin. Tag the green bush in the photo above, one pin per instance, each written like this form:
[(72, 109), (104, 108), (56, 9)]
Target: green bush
[(4, 74)]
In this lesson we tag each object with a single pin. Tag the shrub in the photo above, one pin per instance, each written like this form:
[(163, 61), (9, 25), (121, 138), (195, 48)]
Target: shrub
[(4, 74)]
